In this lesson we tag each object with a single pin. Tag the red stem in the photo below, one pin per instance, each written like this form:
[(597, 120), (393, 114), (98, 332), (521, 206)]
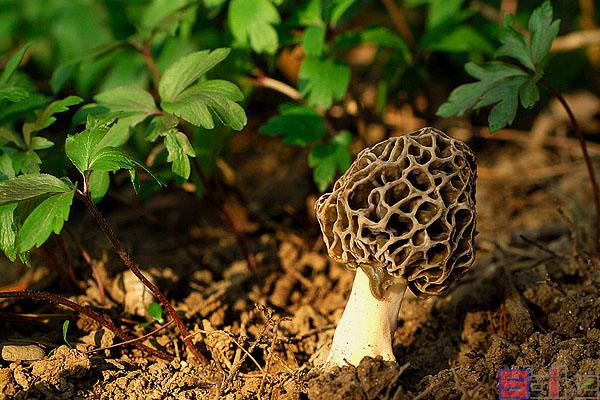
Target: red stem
[(586, 156), (107, 323), (133, 267)]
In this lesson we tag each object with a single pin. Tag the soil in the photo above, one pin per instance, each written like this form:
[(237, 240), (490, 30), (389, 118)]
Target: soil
[(531, 300)]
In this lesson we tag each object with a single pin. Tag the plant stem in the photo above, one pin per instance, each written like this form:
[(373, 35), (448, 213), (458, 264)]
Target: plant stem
[(133, 267), (146, 54), (55, 298), (586, 156), (399, 22)]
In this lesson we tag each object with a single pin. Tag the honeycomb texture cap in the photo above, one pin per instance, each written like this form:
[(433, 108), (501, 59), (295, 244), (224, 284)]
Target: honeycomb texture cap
[(406, 205)]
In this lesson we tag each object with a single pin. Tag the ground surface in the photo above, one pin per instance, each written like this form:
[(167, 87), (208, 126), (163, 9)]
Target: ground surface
[(531, 302)]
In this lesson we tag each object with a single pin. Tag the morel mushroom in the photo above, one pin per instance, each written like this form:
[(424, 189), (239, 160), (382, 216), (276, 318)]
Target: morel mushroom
[(403, 215)]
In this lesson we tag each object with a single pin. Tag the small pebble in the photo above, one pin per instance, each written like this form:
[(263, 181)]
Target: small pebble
[(30, 352)]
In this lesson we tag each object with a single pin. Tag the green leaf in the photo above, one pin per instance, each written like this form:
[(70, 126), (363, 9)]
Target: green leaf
[(128, 98), (160, 10), (81, 147), (120, 131), (187, 70), (155, 311), (61, 76), (26, 162), (113, 159), (530, 51), (40, 143), (461, 40), (98, 184), (251, 23), (466, 97), (202, 102), (7, 170), (529, 93), (179, 149), (543, 32), (65, 331), (12, 64), (440, 11), (8, 231), (515, 45), (49, 216), (327, 159), (314, 40), (160, 125), (339, 9), (14, 94), (9, 136), (299, 125), (27, 187), (321, 81), (46, 117)]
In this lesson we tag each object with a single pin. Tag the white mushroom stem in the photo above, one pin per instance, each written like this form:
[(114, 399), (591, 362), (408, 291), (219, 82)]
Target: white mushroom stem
[(367, 325)]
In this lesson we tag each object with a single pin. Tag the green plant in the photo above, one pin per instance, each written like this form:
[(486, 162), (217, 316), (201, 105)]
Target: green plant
[(65, 331), (515, 78), (33, 204)]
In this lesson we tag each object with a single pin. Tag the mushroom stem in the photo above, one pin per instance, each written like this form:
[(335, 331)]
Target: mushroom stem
[(367, 325)]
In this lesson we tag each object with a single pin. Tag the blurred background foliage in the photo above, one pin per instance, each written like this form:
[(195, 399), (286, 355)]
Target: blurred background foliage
[(335, 65)]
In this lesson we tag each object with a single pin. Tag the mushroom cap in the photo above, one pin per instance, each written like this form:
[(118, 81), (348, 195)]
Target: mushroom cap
[(407, 205)]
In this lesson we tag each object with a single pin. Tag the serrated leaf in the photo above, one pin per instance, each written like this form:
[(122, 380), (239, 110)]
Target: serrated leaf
[(179, 149), (120, 131), (321, 81), (187, 70), (251, 23), (14, 94), (327, 159), (160, 125), (27, 187), (98, 184), (49, 216), (466, 97), (45, 118), (113, 159), (299, 125), (543, 32), (81, 147), (8, 231), (515, 45), (205, 100), (26, 162), (530, 51), (13, 63), (314, 40), (128, 98)]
